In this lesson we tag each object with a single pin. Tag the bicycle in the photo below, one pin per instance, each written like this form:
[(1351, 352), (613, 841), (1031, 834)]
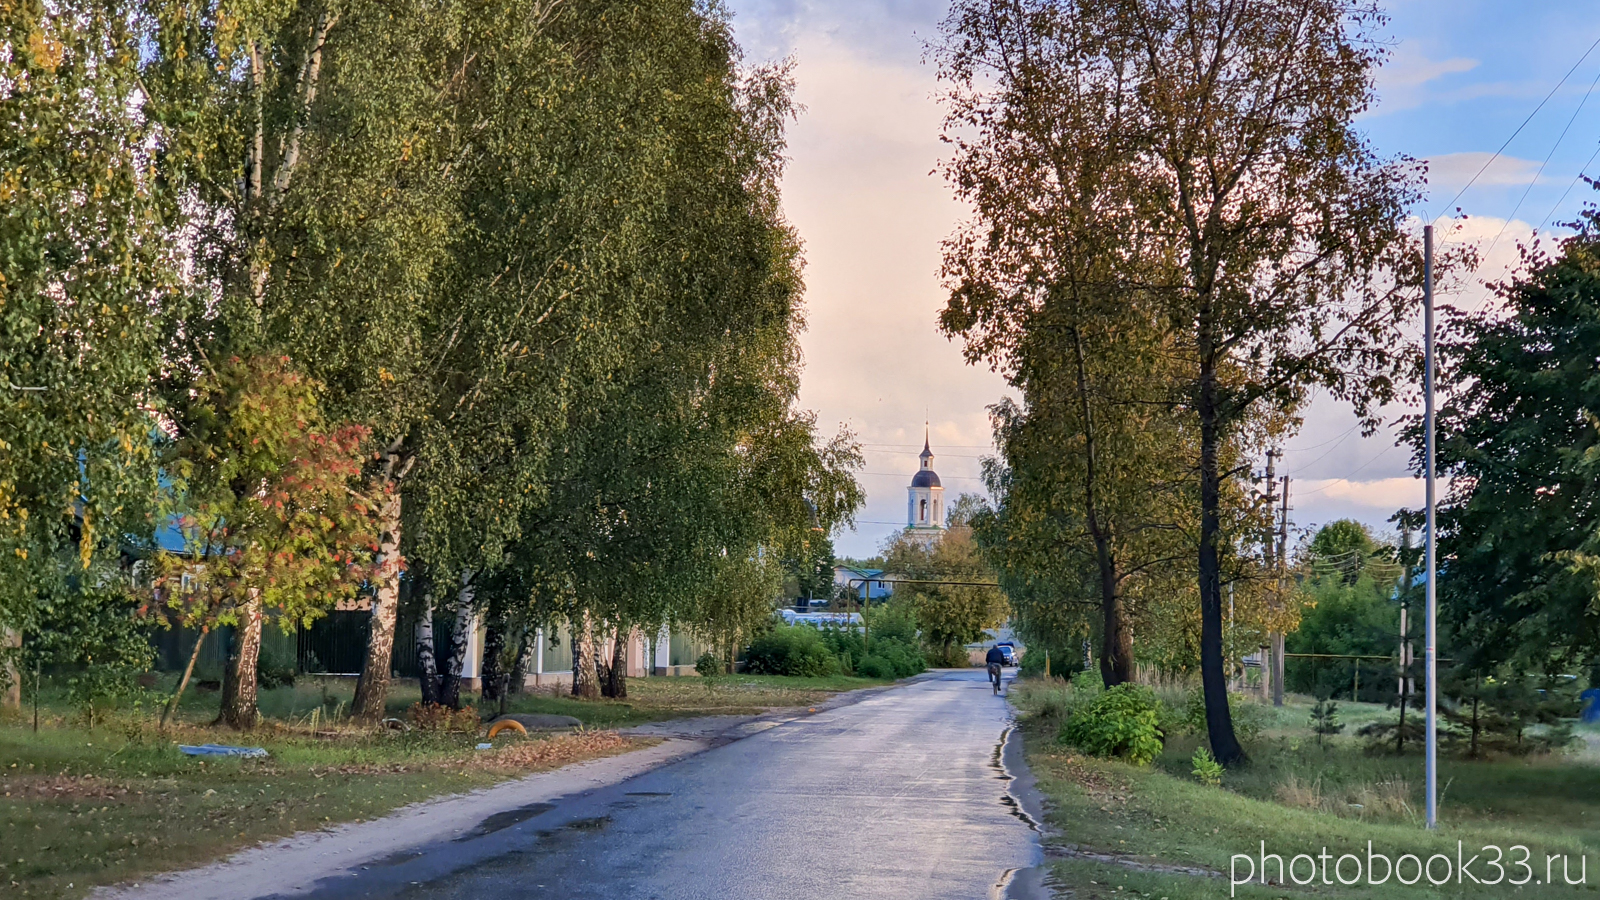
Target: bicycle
[(994, 676)]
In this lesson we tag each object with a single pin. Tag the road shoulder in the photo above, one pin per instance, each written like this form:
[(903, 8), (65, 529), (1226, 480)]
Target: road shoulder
[(296, 864)]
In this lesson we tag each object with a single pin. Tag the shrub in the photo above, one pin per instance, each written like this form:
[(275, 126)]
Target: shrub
[(1325, 719), (274, 668), (438, 717), (1207, 770), (1120, 722), (895, 621), (708, 665), (1064, 663), (845, 643), (1087, 683), (905, 657), (951, 657), (875, 667), (791, 650), (1248, 718)]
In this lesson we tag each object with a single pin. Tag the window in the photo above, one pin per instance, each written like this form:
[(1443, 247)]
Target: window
[(922, 511)]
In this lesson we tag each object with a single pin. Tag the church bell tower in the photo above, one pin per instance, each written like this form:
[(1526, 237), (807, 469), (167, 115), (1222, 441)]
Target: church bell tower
[(925, 496)]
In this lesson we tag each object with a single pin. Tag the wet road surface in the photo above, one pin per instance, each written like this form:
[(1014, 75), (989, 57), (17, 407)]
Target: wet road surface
[(900, 795)]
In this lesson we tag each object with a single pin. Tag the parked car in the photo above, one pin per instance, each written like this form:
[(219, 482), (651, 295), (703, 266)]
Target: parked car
[(1009, 650)]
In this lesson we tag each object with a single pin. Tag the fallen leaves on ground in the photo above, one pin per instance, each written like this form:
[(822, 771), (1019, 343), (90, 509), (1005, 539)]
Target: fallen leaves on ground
[(548, 753)]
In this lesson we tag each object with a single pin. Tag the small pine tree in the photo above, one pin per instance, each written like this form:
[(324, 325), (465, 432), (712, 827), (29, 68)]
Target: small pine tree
[(1325, 719)]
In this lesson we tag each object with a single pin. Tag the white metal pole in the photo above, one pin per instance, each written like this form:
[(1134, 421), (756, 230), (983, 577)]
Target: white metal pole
[(1431, 773)]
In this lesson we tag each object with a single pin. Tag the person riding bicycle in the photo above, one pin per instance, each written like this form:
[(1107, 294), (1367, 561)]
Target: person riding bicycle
[(995, 659)]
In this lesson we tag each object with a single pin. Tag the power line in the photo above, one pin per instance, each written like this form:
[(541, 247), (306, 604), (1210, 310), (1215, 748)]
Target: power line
[(1514, 134), (1536, 175), (903, 475), (1324, 443), (1305, 466), (1574, 183), (1346, 478)]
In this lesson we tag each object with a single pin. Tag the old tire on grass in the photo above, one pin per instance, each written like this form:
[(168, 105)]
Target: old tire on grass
[(507, 725)]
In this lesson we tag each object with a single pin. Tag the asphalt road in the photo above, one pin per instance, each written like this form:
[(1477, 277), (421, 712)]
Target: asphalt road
[(902, 794)]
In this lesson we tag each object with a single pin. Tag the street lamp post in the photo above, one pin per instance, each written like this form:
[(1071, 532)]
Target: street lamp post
[(1431, 651)]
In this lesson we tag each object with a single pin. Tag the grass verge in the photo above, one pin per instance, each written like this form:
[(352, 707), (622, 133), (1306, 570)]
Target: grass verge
[(1122, 831), (81, 808)]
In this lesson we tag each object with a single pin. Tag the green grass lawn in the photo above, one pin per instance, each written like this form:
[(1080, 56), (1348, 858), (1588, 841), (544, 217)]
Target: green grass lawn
[(649, 699), (1299, 797), (81, 807)]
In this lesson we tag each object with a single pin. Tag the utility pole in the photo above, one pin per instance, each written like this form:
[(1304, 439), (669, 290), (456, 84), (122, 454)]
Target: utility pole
[(1267, 667), (1277, 636), (1431, 646)]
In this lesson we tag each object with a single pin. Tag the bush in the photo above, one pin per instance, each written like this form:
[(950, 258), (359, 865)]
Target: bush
[(708, 666), (875, 667), (1248, 717), (895, 621), (1087, 684), (951, 657), (846, 644), (791, 650), (905, 657), (1063, 663), (274, 668), (1121, 722)]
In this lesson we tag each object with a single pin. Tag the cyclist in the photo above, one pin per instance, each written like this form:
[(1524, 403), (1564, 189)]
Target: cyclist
[(995, 659)]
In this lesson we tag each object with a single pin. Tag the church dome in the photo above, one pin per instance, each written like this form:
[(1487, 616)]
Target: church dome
[(925, 478)]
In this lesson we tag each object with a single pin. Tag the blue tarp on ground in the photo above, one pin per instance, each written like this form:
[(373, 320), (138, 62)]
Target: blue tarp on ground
[(222, 750)]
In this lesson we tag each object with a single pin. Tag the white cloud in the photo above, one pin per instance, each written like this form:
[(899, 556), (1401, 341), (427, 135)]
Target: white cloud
[(1452, 171), (861, 194), (1385, 494), (1402, 81)]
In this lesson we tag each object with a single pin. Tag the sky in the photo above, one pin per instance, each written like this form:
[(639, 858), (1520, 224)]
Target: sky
[(1463, 79)]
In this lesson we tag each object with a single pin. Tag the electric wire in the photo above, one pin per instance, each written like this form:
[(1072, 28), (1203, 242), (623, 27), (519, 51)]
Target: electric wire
[(1536, 175), (1496, 155)]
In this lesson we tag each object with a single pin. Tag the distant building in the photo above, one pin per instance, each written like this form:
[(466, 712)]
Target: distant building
[(925, 499), (869, 584)]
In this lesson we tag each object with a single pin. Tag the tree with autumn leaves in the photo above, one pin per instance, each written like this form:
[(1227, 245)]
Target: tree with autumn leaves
[(275, 514)]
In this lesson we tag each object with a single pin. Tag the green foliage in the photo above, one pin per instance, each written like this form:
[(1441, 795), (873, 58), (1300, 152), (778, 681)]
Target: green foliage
[(276, 667), (89, 286), (1206, 769), (953, 656), (1065, 661), (1120, 722), (808, 569), (1087, 683), (1248, 716), (1510, 714), (895, 652), (948, 615), (1325, 719), (94, 636), (903, 658), (708, 666), (875, 667), (1519, 442), (796, 650)]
